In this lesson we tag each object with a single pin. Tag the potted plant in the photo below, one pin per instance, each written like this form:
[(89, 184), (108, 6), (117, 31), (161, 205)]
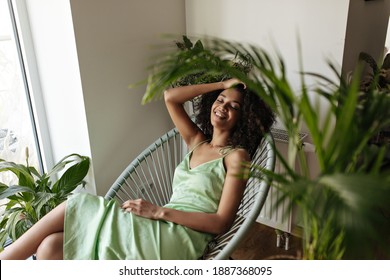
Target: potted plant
[(194, 74), (35, 194), (201, 76), (344, 209), (379, 78)]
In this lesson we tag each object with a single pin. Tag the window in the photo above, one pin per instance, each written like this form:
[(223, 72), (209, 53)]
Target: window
[(17, 125)]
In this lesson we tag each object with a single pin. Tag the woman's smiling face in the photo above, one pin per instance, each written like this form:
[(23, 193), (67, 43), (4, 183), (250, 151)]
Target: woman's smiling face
[(226, 109)]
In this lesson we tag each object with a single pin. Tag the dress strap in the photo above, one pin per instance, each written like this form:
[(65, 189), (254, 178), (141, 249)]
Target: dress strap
[(197, 145), (226, 150)]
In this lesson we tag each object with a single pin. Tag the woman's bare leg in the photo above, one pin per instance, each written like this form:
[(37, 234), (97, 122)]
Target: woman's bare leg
[(28, 243), (51, 248)]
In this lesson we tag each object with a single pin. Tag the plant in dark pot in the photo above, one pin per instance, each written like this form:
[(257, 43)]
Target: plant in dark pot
[(33, 194), (193, 73), (376, 78)]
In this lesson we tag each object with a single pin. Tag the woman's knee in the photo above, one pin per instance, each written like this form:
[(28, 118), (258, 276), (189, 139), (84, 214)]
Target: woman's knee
[(51, 248)]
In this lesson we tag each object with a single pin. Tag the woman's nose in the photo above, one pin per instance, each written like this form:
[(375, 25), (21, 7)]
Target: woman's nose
[(223, 107)]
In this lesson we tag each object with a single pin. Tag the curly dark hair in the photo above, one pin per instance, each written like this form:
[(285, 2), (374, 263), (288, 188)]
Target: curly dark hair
[(256, 118)]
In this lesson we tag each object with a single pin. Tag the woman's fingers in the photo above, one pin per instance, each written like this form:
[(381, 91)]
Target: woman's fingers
[(140, 207), (233, 82), (129, 205)]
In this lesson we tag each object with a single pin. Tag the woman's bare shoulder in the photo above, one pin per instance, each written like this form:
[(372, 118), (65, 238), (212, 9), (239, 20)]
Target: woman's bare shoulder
[(236, 158)]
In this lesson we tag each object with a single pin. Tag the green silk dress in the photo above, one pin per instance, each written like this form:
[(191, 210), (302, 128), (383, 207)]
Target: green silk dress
[(95, 228)]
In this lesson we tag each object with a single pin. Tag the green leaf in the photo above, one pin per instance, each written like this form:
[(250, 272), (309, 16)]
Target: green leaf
[(198, 46), (41, 202), (3, 239), (360, 201), (21, 171), (12, 228), (21, 227), (58, 167), (12, 190), (187, 42), (360, 191), (72, 177), (34, 171)]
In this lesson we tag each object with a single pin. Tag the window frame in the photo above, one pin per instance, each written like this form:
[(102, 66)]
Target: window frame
[(31, 81)]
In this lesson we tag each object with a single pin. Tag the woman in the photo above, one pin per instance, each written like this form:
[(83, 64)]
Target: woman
[(206, 189)]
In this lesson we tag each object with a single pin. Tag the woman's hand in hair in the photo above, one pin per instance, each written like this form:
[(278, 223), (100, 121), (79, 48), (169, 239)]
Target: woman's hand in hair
[(232, 82)]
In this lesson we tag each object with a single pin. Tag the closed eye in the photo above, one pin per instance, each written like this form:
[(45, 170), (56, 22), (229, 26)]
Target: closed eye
[(232, 103)]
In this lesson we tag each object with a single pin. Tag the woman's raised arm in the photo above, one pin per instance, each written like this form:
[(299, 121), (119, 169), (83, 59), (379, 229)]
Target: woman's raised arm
[(175, 99)]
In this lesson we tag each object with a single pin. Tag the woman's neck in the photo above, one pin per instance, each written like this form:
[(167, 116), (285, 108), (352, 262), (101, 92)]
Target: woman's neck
[(216, 145), (219, 139)]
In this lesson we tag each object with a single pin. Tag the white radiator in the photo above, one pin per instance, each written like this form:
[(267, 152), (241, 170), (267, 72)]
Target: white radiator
[(279, 217)]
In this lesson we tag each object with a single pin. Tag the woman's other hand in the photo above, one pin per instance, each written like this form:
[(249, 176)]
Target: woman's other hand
[(143, 208), (231, 83)]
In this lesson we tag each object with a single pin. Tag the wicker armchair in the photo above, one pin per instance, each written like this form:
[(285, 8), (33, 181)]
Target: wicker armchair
[(150, 175)]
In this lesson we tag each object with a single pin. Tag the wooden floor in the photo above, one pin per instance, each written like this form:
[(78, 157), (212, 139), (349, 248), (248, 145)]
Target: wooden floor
[(260, 244)]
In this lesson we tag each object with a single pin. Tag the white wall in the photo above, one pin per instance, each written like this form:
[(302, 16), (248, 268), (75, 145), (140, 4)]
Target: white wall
[(88, 52), (319, 25), (366, 31), (115, 42)]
